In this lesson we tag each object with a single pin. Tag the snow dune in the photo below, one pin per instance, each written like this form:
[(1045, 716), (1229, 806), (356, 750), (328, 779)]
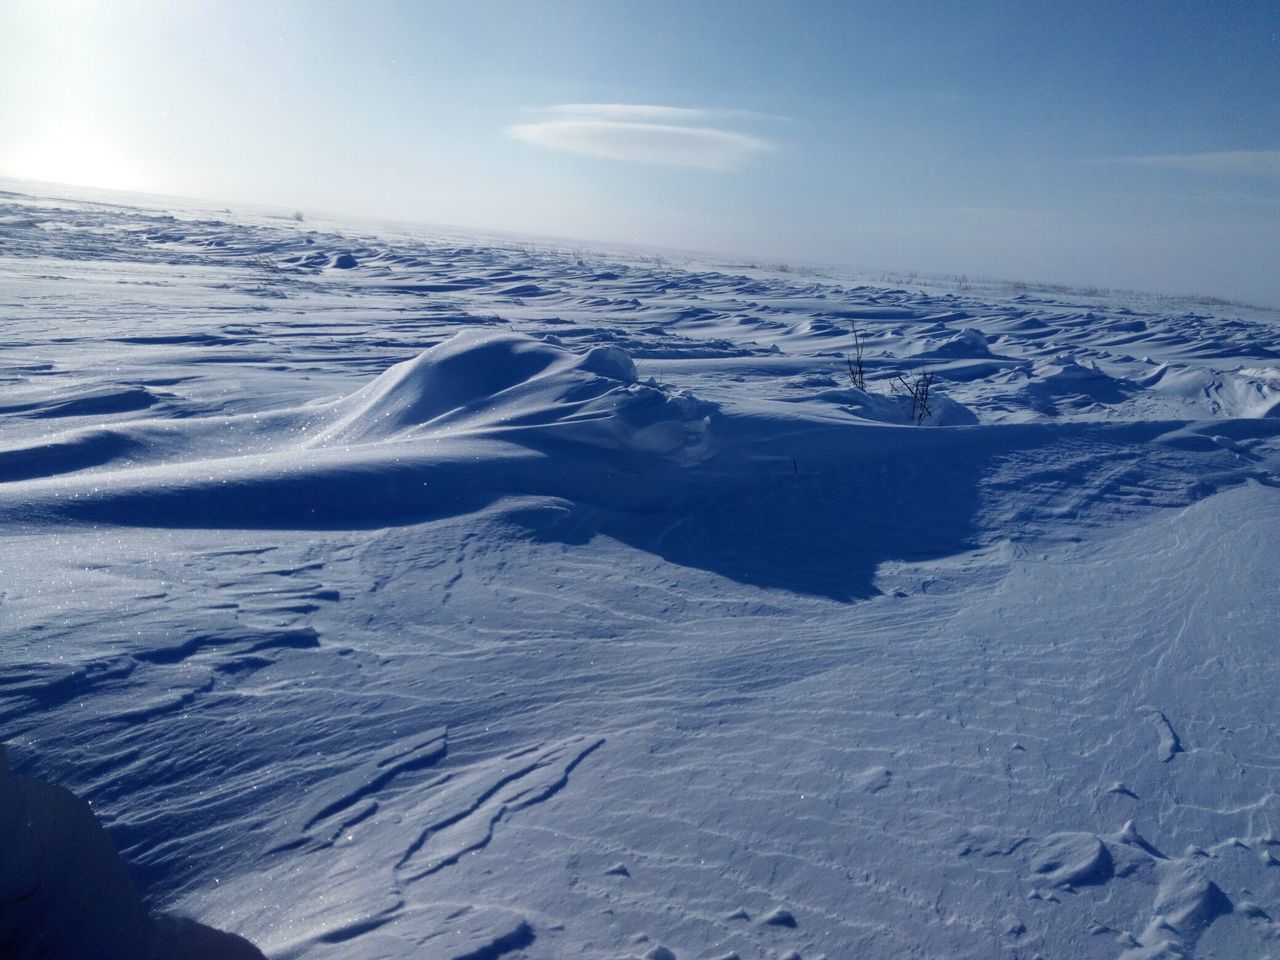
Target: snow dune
[(392, 594)]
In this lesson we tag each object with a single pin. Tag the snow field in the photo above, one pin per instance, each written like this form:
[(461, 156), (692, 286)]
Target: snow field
[(394, 594)]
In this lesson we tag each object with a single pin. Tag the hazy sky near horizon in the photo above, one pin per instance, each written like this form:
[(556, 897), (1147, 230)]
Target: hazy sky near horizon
[(1127, 144)]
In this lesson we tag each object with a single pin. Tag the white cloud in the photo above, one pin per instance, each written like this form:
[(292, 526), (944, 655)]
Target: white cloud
[(1249, 163), (648, 112), (643, 133)]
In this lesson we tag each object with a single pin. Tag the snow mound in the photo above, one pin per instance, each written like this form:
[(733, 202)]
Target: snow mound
[(423, 438), (1068, 386), (966, 344), (1251, 393), (1071, 859), (73, 450), (92, 402), (897, 407), (482, 382)]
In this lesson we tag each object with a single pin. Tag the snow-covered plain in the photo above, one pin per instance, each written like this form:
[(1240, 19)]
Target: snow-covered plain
[(393, 594)]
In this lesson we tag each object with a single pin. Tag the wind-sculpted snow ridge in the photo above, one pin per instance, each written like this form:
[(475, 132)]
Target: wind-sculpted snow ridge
[(403, 447), (393, 593), (492, 383)]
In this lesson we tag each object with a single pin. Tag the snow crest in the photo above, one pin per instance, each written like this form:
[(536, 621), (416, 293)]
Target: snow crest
[(491, 383)]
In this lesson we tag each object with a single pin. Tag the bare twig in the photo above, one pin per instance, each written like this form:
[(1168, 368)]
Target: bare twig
[(854, 363), (918, 390)]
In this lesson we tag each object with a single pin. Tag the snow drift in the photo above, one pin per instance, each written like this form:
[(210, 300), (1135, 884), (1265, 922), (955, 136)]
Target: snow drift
[(487, 383), (410, 444)]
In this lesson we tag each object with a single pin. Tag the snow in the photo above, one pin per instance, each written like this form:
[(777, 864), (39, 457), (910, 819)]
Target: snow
[(65, 892), (391, 593)]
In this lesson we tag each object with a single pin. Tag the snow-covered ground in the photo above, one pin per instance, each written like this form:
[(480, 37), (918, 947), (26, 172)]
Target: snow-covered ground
[(392, 594)]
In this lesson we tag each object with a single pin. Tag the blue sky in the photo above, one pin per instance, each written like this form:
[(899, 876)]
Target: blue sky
[(1133, 144)]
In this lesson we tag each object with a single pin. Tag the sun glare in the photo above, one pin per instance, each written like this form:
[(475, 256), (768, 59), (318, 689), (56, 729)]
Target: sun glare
[(74, 155)]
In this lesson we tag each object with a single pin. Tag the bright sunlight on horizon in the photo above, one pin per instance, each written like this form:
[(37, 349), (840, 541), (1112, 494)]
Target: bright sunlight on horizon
[(1133, 145)]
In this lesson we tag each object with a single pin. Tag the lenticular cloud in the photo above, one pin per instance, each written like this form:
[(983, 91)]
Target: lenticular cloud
[(643, 133)]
